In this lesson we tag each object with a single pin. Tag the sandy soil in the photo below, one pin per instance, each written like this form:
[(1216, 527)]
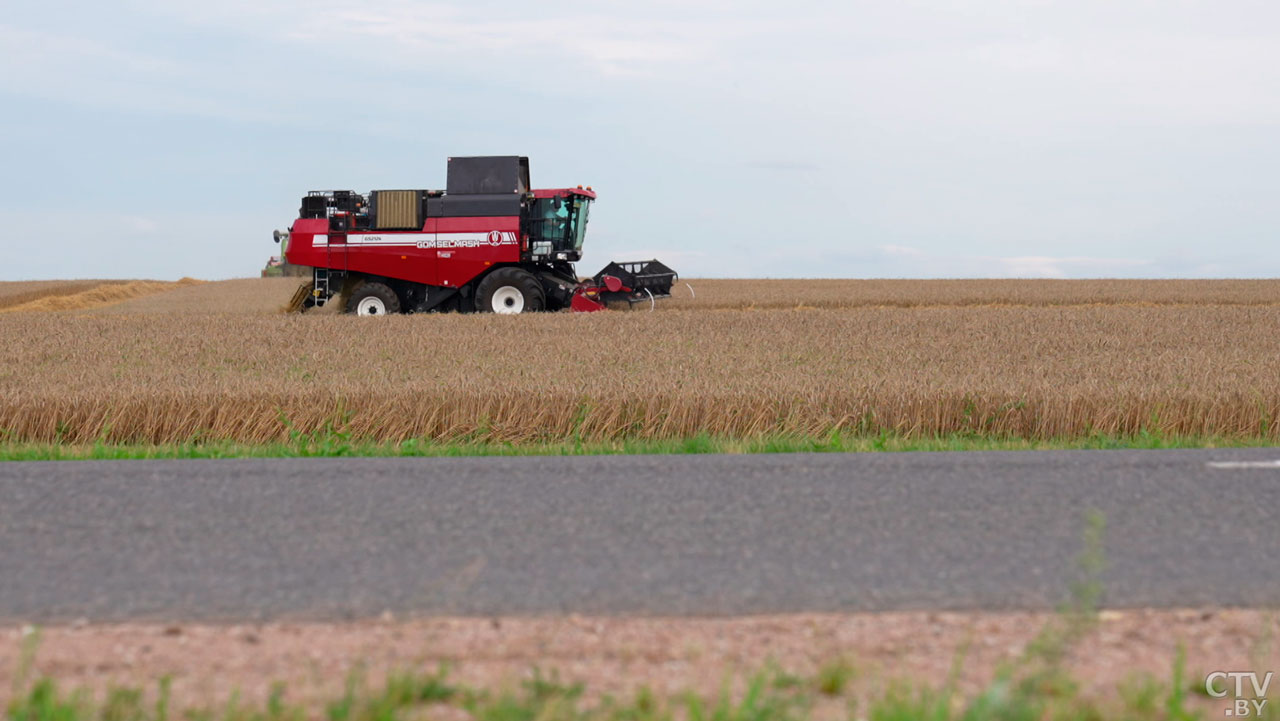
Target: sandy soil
[(617, 655)]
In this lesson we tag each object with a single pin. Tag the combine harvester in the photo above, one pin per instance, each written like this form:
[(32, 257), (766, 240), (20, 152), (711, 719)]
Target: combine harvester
[(486, 243)]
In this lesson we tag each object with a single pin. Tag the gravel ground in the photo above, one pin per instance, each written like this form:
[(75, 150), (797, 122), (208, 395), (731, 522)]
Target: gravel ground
[(616, 655)]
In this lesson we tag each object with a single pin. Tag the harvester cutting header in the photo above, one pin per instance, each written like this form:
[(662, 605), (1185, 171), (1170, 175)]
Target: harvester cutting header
[(487, 243)]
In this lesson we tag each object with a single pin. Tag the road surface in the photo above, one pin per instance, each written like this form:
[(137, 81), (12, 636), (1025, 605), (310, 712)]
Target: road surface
[(342, 538)]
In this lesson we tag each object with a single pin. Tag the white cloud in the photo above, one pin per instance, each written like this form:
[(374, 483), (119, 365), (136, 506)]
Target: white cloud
[(87, 71), (139, 224), (902, 250), (610, 39), (41, 49), (915, 262), (1063, 267)]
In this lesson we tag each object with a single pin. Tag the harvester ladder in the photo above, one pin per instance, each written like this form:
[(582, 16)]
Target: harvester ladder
[(321, 293)]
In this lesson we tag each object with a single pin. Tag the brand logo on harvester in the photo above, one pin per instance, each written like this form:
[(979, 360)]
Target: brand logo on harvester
[(469, 240), (1249, 700)]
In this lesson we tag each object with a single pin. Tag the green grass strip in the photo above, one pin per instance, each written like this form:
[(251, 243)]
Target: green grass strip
[(338, 445)]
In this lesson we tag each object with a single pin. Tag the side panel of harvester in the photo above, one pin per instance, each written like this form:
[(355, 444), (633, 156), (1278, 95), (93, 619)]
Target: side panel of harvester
[(303, 249), (469, 247), (448, 252)]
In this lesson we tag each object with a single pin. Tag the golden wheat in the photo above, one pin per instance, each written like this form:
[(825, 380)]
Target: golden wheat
[(21, 292), (901, 293), (266, 296), (1028, 371), (251, 296), (68, 298)]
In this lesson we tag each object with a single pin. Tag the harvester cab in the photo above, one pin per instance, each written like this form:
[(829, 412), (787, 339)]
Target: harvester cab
[(488, 242), (557, 223)]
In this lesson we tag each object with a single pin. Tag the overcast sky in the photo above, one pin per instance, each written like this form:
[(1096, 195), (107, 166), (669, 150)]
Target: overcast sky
[(162, 138)]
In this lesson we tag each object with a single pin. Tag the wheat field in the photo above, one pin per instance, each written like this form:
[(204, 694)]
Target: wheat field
[(1009, 359), (56, 296), (267, 295), (827, 293), (17, 293)]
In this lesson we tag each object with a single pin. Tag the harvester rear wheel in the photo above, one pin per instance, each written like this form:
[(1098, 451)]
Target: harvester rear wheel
[(372, 298), (509, 291)]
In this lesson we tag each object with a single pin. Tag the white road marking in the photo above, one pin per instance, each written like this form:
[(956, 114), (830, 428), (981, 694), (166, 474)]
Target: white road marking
[(1243, 464)]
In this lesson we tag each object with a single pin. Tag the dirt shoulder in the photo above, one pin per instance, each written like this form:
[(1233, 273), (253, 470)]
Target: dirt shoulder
[(618, 655)]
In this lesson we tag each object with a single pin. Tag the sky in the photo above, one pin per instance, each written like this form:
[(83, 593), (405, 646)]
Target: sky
[(898, 139)]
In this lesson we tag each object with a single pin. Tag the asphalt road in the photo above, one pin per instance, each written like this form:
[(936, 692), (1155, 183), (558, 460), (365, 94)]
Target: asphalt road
[(340, 538)]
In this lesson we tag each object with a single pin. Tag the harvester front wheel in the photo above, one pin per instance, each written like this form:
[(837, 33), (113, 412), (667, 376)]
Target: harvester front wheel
[(509, 291), (373, 298)]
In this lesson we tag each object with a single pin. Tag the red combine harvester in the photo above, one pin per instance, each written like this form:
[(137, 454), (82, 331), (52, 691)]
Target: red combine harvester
[(486, 243)]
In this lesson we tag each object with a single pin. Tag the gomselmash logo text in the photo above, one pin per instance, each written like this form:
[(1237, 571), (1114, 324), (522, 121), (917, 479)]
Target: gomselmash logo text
[(1248, 691)]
